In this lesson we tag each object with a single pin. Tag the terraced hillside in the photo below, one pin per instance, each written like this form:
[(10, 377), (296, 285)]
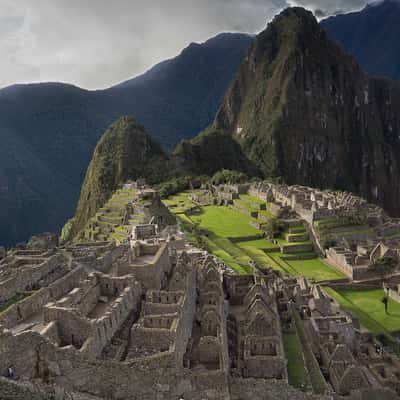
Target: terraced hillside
[(113, 221), (238, 236)]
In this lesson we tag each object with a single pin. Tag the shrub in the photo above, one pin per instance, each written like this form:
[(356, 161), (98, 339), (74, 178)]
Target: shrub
[(226, 176), (174, 186)]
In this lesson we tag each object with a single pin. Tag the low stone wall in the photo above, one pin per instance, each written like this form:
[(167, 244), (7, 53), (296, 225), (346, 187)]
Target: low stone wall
[(272, 249), (151, 275), (104, 263), (295, 238), (259, 389), (25, 361), (245, 239), (274, 208), (299, 257), (258, 224), (297, 248), (159, 340), (34, 303), (345, 285), (393, 294), (27, 277), (13, 390)]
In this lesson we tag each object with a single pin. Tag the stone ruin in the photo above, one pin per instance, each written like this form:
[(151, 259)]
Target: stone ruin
[(359, 231), (356, 261), (313, 204), (220, 194), (155, 319), (349, 357)]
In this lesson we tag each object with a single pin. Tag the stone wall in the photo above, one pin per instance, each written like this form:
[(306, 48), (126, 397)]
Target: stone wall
[(152, 274), (297, 248), (27, 277), (25, 361), (34, 303)]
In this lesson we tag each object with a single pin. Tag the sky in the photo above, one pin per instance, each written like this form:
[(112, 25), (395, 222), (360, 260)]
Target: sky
[(97, 43)]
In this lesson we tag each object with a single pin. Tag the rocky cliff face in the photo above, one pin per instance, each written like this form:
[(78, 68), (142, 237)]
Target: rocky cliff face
[(303, 109), (124, 152)]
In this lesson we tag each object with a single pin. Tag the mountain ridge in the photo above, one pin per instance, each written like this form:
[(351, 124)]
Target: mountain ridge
[(371, 36), (304, 110), (59, 125)]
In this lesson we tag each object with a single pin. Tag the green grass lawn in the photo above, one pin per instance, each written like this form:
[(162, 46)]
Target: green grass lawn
[(179, 203), (252, 199), (254, 249), (297, 372), (368, 307), (245, 204), (315, 269), (224, 256), (222, 223), (261, 244), (225, 222)]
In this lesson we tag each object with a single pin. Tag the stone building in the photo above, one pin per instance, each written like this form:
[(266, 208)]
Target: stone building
[(355, 261), (149, 319)]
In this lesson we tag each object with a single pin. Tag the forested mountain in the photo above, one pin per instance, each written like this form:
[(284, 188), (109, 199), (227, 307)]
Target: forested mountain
[(48, 131), (371, 35)]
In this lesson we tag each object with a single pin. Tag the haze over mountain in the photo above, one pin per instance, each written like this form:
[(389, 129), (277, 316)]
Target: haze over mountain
[(48, 131), (371, 35)]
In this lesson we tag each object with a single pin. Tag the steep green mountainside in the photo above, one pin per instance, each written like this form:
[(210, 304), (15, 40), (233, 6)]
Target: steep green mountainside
[(304, 110), (48, 131), (371, 36), (124, 152), (212, 151)]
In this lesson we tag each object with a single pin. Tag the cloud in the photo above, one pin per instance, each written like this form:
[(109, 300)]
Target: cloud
[(96, 43), (324, 8)]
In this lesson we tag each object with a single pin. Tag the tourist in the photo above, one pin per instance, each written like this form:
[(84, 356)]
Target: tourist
[(10, 372)]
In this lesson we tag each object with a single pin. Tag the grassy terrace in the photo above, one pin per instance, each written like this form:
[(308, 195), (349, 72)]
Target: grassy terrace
[(368, 307), (179, 203), (297, 372), (342, 227), (107, 223), (225, 222), (251, 203), (220, 223), (314, 269), (228, 234)]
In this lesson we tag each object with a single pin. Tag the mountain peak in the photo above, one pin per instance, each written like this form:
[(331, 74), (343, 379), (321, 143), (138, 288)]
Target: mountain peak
[(302, 109), (125, 151)]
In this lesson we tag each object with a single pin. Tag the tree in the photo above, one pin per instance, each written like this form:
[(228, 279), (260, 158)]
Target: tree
[(383, 267), (226, 176), (274, 228)]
